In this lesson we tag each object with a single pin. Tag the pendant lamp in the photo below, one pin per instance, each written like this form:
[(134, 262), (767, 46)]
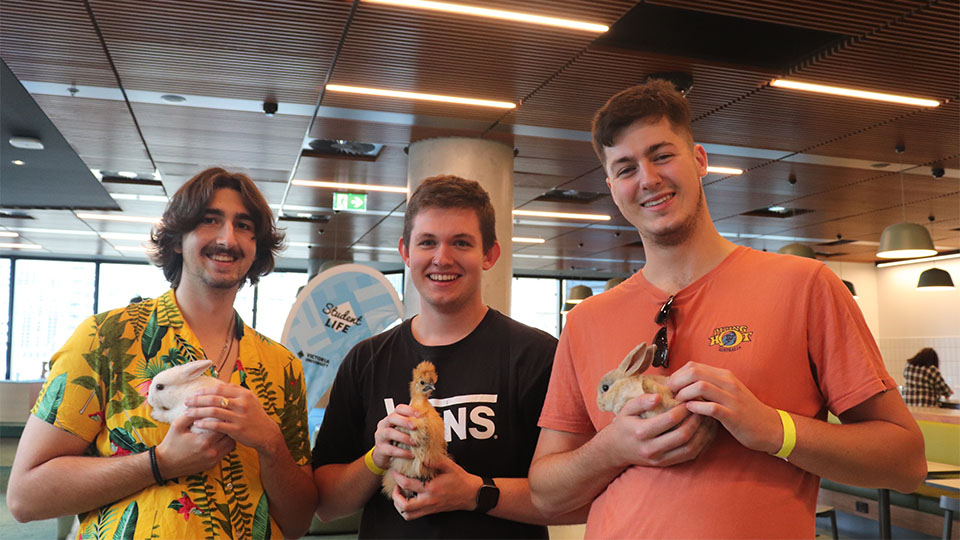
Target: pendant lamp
[(799, 250), (851, 288), (904, 240), (577, 294), (935, 279), (612, 282)]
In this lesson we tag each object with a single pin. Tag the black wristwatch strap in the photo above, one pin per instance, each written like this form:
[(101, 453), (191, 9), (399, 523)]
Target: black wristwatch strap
[(487, 495)]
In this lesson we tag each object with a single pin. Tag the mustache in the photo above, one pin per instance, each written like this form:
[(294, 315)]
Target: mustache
[(221, 250)]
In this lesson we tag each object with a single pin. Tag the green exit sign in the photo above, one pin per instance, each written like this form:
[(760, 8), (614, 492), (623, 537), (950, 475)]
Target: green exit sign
[(349, 201)]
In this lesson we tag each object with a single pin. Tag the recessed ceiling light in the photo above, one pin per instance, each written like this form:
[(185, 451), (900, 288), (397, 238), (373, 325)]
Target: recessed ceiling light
[(777, 208), (724, 170), (127, 174), (20, 246), (416, 95), (118, 217), (565, 215), (496, 14), (173, 98), (8, 234), (527, 240), (18, 162), (355, 187), (849, 92), (139, 197)]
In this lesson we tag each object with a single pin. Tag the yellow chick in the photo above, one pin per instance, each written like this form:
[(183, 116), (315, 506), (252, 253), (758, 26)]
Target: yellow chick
[(430, 447)]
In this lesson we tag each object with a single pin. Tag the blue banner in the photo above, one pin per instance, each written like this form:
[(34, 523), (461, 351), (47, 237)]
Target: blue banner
[(333, 312)]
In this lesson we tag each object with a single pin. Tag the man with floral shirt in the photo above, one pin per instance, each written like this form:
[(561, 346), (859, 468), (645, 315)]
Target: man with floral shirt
[(91, 445)]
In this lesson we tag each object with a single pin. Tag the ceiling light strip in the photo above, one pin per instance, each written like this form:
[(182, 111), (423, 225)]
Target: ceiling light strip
[(20, 246), (8, 234), (527, 240), (422, 97), (496, 14), (118, 217), (354, 187), (564, 215), (724, 170), (923, 260), (849, 92)]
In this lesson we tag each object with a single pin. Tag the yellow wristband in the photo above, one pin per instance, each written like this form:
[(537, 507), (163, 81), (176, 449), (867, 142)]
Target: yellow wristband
[(789, 435), (368, 460)]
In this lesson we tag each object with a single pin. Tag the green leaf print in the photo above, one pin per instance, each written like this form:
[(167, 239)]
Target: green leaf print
[(121, 438), (185, 351), (128, 523), (52, 397), (261, 520), (152, 337), (137, 422)]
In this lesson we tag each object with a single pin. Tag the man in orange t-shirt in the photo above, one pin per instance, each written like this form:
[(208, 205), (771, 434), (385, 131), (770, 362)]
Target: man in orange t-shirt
[(761, 344)]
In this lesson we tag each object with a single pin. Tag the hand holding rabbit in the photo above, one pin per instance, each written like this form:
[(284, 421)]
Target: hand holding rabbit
[(627, 381), (235, 411), (170, 389)]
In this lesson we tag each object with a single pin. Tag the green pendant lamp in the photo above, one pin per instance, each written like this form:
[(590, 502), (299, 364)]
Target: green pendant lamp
[(935, 279), (577, 294), (905, 240), (799, 250), (612, 282), (851, 288)]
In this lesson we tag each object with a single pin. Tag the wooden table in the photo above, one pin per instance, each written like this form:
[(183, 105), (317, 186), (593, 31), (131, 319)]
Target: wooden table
[(952, 484)]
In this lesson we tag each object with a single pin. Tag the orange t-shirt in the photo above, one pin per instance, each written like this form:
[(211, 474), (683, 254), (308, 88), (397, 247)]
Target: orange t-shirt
[(787, 327)]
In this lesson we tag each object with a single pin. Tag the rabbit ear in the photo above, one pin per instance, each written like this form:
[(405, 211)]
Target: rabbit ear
[(641, 360), (637, 360), (192, 370)]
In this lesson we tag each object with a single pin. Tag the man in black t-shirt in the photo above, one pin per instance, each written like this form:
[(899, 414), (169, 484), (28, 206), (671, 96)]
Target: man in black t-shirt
[(492, 377)]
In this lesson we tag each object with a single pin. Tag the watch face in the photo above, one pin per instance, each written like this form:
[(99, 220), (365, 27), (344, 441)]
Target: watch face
[(487, 497)]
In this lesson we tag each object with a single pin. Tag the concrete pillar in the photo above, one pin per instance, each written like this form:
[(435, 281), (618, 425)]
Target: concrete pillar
[(489, 163)]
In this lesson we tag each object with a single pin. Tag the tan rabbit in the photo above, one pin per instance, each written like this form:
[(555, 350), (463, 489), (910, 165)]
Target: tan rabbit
[(627, 381)]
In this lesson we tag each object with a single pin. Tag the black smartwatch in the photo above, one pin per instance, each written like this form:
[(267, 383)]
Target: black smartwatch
[(487, 495)]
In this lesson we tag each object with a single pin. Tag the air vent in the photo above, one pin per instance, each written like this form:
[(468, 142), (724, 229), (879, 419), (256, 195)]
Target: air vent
[(342, 149), (305, 218), (4, 214), (109, 177), (777, 212), (837, 242), (570, 196)]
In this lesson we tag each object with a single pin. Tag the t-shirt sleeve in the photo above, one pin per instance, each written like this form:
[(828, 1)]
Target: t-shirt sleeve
[(844, 353), (72, 396), (564, 408), (293, 416), (341, 436)]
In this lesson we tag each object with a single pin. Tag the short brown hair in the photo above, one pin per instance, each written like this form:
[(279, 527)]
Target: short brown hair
[(448, 191), (649, 102), (187, 208)]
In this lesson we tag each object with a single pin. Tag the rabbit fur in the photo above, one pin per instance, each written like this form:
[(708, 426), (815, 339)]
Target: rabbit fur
[(627, 381), (171, 387)]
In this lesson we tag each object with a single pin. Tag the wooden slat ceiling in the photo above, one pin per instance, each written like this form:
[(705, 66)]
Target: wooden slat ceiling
[(227, 57)]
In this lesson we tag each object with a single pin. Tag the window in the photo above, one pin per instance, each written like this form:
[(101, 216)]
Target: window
[(396, 279), (4, 312), (119, 283), (535, 302), (52, 298), (276, 294)]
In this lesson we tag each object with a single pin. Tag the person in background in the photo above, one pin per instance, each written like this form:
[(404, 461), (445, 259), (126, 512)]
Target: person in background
[(923, 382), (764, 344), (492, 374), (91, 446)]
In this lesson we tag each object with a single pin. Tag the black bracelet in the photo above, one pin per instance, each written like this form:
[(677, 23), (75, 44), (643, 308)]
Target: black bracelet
[(155, 467)]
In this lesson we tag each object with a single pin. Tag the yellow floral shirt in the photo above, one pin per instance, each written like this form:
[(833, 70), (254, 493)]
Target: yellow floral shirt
[(96, 390)]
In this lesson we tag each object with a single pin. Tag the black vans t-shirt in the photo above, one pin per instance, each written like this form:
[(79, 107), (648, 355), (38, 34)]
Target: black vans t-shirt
[(490, 389)]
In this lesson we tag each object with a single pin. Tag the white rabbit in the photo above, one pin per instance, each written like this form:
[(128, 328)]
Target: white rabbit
[(627, 381), (171, 387)]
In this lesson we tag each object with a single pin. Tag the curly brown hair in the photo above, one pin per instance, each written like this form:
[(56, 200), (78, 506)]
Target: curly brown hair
[(187, 208), (648, 102), (449, 191), (926, 357)]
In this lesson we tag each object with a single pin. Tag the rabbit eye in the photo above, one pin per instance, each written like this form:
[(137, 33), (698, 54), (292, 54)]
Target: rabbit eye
[(605, 387), (158, 387)]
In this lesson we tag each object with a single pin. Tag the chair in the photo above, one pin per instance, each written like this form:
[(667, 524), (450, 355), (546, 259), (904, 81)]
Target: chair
[(951, 507), (828, 511)]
